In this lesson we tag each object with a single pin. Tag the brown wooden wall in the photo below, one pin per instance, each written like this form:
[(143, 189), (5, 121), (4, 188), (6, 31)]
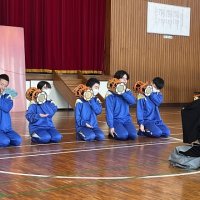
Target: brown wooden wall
[(146, 55)]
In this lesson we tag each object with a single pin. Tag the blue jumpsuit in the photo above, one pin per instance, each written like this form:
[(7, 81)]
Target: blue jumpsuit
[(7, 135), (86, 112), (118, 114), (42, 129), (148, 114)]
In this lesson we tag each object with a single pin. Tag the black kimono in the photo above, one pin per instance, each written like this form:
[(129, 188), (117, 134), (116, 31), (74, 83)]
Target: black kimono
[(191, 122)]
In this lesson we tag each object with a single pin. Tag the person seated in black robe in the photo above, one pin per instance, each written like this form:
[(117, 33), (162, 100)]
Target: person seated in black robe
[(191, 128)]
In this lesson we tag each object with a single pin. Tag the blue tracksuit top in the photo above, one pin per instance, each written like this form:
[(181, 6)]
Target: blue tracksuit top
[(147, 107), (6, 104), (35, 121), (86, 112), (117, 107)]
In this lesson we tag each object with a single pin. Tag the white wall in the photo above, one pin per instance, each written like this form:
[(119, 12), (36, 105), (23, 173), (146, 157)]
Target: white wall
[(103, 88)]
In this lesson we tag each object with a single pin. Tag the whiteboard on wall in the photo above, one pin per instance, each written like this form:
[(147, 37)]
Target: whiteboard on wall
[(168, 19)]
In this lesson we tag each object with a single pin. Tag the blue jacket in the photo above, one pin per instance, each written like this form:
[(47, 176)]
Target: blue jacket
[(86, 112), (6, 104), (117, 107), (35, 121), (147, 107)]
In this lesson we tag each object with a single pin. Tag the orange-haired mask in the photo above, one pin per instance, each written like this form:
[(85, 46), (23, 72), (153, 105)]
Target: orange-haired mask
[(143, 88), (82, 91), (116, 86)]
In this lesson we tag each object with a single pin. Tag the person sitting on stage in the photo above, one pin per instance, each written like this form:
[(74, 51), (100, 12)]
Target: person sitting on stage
[(39, 115), (148, 115), (7, 135), (118, 115), (86, 111)]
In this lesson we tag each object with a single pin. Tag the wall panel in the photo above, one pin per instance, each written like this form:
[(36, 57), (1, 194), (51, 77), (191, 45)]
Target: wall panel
[(146, 55)]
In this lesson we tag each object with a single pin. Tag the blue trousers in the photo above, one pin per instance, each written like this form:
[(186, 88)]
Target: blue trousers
[(9, 138), (43, 136), (156, 129), (90, 134), (125, 131)]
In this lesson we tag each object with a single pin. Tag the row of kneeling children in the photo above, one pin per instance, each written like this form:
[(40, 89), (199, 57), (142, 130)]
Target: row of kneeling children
[(42, 109)]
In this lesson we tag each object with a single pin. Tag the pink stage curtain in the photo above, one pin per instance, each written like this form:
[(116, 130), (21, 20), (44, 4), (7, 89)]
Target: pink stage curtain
[(64, 35)]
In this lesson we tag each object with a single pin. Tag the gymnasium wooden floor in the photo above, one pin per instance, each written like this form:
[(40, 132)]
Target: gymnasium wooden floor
[(96, 170)]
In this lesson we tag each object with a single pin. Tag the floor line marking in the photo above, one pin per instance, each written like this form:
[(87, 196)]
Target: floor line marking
[(79, 148), (176, 139), (101, 178), (85, 150), (169, 175), (72, 142)]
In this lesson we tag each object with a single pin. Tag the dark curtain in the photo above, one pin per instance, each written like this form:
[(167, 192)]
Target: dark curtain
[(64, 35)]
